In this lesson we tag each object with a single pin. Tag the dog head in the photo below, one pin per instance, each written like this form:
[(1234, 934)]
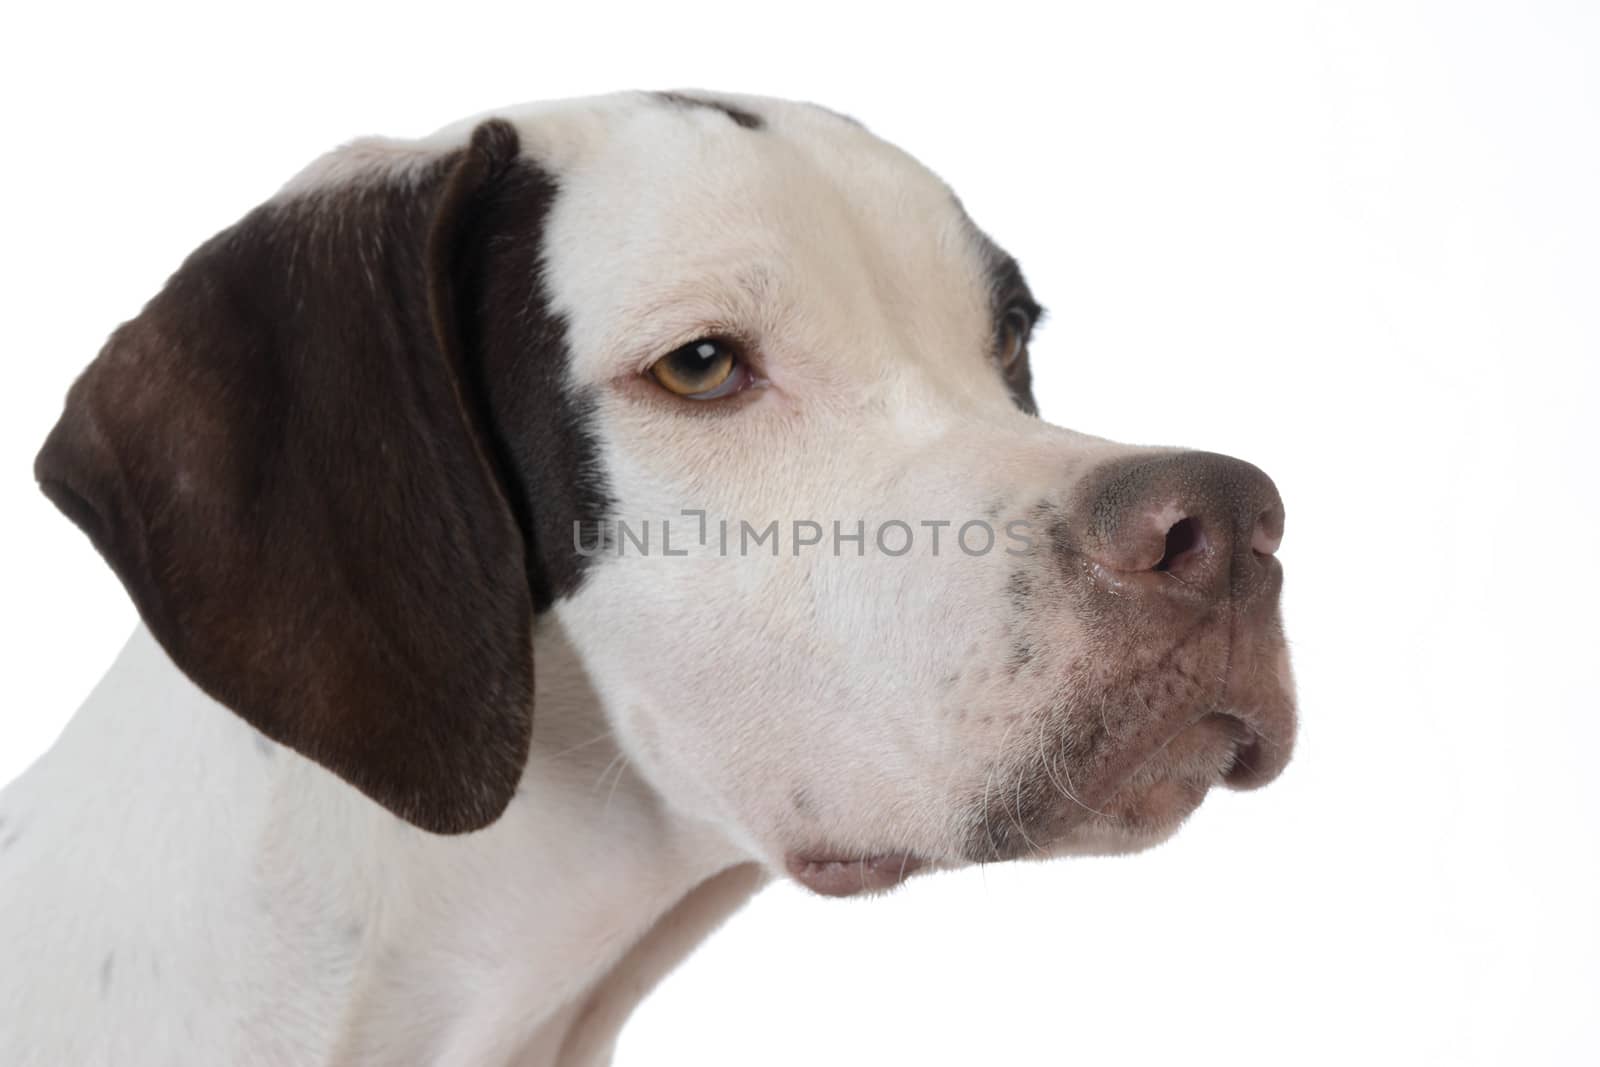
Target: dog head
[(737, 396)]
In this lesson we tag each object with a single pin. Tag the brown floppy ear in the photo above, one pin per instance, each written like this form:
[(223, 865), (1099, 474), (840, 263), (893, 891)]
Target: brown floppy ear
[(282, 459)]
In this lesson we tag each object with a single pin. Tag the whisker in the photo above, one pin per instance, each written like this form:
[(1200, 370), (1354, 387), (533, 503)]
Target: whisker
[(605, 771), (622, 769), (573, 748), (1072, 796), (1175, 578), (1000, 749), (988, 830), (1018, 820)]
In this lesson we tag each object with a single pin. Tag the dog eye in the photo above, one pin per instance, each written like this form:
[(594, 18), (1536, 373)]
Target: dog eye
[(1014, 330), (701, 370)]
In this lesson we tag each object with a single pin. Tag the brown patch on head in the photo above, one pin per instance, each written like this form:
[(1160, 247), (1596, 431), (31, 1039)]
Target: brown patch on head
[(747, 119), (287, 460), (1008, 292)]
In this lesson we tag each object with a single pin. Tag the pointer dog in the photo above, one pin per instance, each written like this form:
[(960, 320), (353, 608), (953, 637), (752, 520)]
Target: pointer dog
[(547, 531)]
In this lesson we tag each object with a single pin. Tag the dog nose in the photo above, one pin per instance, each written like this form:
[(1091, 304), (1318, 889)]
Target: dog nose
[(1193, 526)]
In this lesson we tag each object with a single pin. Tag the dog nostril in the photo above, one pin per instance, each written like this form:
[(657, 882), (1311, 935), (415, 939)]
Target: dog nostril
[(1186, 541), (1268, 533)]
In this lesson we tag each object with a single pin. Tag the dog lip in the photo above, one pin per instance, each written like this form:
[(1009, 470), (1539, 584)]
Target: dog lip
[(839, 876)]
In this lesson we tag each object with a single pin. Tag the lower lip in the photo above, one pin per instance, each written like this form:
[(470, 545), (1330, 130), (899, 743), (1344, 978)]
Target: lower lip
[(835, 877)]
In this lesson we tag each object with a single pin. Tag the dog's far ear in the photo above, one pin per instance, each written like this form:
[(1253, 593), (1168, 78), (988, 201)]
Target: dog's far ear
[(283, 460)]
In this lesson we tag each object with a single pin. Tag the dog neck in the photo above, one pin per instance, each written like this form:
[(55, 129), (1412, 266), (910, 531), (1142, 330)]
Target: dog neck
[(342, 934)]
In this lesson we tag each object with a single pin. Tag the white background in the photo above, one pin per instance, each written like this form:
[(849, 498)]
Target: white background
[(1359, 246)]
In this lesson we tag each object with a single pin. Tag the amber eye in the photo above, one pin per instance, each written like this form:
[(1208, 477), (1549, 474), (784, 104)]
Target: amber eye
[(701, 370), (1014, 330)]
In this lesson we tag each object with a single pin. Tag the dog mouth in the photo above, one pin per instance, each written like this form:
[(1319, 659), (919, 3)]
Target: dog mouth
[(839, 876), (1167, 788), (1102, 782), (1147, 806), (1040, 816), (1121, 781)]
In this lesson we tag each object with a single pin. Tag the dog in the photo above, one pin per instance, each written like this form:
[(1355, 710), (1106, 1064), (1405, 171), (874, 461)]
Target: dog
[(548, 531)]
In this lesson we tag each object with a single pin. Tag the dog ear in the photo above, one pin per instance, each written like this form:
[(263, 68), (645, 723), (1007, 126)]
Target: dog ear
[(285, 460)]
